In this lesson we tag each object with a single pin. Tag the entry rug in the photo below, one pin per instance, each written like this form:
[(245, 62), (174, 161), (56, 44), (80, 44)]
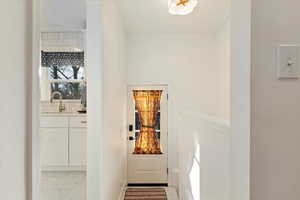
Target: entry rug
[(145, 194)]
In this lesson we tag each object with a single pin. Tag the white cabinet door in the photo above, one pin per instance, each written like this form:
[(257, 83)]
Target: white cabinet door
[(54, 147), (77, 146)]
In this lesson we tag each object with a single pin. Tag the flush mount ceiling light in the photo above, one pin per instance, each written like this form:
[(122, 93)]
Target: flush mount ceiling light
[(182, 7)]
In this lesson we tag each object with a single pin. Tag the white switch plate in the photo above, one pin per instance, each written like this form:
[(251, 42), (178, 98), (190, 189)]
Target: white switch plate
[(288, 61)]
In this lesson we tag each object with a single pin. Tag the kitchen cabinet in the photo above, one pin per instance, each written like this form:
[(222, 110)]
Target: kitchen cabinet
[(63, 143)]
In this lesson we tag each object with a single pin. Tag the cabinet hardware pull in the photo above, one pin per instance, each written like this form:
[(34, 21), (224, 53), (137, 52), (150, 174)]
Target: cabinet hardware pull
[(83, 122)]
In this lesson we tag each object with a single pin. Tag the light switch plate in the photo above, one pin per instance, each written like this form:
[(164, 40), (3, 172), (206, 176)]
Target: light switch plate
[(288, 62)]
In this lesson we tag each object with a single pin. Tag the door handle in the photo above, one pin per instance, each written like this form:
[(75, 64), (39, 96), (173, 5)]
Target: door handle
[(131, 138)]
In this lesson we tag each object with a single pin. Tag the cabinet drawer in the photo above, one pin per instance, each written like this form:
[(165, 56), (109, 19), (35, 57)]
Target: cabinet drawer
[(55, 122), (78, 122)]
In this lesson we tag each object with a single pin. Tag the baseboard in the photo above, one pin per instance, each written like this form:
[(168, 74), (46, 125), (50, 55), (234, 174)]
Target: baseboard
[(122, 192), (172, 194)]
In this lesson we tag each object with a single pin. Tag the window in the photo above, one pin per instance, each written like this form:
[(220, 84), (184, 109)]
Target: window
[(63, 72), (68, 80)]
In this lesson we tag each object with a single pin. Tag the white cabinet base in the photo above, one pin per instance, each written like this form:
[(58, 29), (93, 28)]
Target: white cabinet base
[(63, 143)]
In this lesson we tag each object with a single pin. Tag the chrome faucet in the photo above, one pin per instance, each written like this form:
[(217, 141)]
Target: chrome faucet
[(61, 106)]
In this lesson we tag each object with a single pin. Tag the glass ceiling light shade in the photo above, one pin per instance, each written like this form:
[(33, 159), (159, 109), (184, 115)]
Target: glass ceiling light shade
[(182, 7)]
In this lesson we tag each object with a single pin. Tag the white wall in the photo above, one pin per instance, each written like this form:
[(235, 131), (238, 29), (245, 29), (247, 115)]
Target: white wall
[(106, 166), (63, 15), (187, 62), (15, 54), (204, 158), (197, 69), (223, 76), (115, 132), (275, 160)]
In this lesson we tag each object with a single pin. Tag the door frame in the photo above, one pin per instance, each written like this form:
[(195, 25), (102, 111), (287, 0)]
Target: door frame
[(240, 26), (33, 147), (145, 86)]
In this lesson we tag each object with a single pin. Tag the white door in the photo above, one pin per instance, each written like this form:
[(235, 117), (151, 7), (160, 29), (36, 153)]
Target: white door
[(147, 168)]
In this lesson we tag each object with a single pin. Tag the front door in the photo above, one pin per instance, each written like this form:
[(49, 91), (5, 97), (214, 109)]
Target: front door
[(147, 135)]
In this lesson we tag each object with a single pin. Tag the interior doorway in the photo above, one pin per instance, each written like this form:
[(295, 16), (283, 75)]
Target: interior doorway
[(95, 169), (147, 134)]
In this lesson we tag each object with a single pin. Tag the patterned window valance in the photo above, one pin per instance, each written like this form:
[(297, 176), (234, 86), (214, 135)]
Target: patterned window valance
[(62, 59)]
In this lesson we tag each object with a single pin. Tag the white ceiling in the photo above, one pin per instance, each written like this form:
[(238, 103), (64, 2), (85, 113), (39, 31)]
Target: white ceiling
[(151, 16), (139, 16)]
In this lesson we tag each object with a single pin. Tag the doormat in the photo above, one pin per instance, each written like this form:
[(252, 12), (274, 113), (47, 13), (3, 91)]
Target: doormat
[(145, 194)]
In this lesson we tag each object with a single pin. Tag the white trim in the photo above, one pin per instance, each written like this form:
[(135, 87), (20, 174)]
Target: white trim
[(122, 192), (34, 194), (240, 77), (94, 74)]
